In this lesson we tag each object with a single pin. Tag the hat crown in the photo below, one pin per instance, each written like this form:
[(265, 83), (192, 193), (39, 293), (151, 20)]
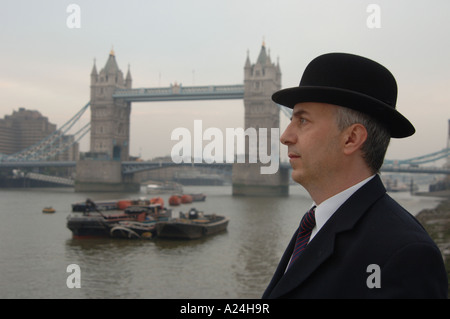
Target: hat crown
[(350, 81), (353, 73)]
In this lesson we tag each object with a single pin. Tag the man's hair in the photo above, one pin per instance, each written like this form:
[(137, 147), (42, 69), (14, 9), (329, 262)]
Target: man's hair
[(378, 136)]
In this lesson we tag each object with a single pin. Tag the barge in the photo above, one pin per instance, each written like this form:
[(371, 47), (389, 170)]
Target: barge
[(193, 226)]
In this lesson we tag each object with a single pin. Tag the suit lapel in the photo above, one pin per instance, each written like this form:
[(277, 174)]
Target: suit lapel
[(316, 252), (279, 272), (322, 245)]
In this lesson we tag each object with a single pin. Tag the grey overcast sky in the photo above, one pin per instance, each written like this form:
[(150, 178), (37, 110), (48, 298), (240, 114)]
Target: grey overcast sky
[(45, 64)]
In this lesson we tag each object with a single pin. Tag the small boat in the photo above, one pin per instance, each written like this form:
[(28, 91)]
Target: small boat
[(186, 199), (193, 226), (48, 210), (164, 188), (198, 197), (174, 200)]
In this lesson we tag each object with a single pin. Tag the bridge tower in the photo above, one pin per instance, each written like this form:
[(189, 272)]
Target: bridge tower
[(110, 118), (110, 132), (261, 80)]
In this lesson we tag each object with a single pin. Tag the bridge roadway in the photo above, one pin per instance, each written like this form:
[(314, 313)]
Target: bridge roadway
[(134, 167), (181, 93)]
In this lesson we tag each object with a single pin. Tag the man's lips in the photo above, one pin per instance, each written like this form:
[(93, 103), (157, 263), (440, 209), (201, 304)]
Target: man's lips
[(293, 156)]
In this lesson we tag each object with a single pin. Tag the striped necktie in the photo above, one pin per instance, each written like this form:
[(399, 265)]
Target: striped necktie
[(304, 233)]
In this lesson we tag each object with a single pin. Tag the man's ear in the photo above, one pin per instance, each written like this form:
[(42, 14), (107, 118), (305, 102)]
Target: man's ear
[(354, 137)]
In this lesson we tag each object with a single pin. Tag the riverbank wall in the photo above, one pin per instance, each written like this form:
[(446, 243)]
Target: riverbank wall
[(436, 221)]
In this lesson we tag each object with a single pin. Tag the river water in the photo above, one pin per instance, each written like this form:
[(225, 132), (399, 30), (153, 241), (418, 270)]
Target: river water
[(37, 248)]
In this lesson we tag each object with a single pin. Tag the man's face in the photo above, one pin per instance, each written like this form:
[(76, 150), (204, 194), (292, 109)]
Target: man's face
[(314, 143)]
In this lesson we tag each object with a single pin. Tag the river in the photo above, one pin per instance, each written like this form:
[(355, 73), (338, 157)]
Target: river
[(37, 248)]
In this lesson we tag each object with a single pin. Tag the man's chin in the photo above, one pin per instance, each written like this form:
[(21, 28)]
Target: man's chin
[(296, 176)]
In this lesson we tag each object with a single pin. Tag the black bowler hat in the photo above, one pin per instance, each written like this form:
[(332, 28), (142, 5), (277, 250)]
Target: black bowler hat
[(351, 81)]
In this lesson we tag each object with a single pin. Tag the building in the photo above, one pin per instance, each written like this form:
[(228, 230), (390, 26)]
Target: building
[(25, 128)]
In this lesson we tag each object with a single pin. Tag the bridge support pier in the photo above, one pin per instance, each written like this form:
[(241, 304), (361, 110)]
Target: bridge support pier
[(103, 176), (248, 181)]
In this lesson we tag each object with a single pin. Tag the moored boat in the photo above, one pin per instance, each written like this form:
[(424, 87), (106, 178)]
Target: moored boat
[(88, 226), (94, 223), (48, 210), (193, 226), (186, 199), (174, 200), (100, 205), (107, 205), (198, 197), (164, 188)]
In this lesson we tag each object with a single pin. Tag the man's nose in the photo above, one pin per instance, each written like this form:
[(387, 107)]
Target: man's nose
[(288, 137)]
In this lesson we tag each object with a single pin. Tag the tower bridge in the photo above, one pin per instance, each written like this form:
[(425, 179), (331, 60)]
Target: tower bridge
[(110, 103), (108, 167)]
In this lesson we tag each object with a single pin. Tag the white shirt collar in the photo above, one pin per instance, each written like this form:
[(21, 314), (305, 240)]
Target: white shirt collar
[(327, 208)]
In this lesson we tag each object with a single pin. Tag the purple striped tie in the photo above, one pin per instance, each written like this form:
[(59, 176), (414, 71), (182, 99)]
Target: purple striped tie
[(304, 233)]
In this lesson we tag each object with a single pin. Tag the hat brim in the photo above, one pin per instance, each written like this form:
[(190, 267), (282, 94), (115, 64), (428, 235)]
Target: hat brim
[(398, 125)]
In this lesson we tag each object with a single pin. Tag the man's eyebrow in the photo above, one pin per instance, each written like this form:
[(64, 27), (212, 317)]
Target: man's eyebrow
[(299, 113)]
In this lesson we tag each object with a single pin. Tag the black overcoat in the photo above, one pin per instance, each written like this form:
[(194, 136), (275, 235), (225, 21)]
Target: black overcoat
[(370, 248)]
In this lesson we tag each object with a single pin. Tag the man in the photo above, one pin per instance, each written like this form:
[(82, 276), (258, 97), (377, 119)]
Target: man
[(361, 243)]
